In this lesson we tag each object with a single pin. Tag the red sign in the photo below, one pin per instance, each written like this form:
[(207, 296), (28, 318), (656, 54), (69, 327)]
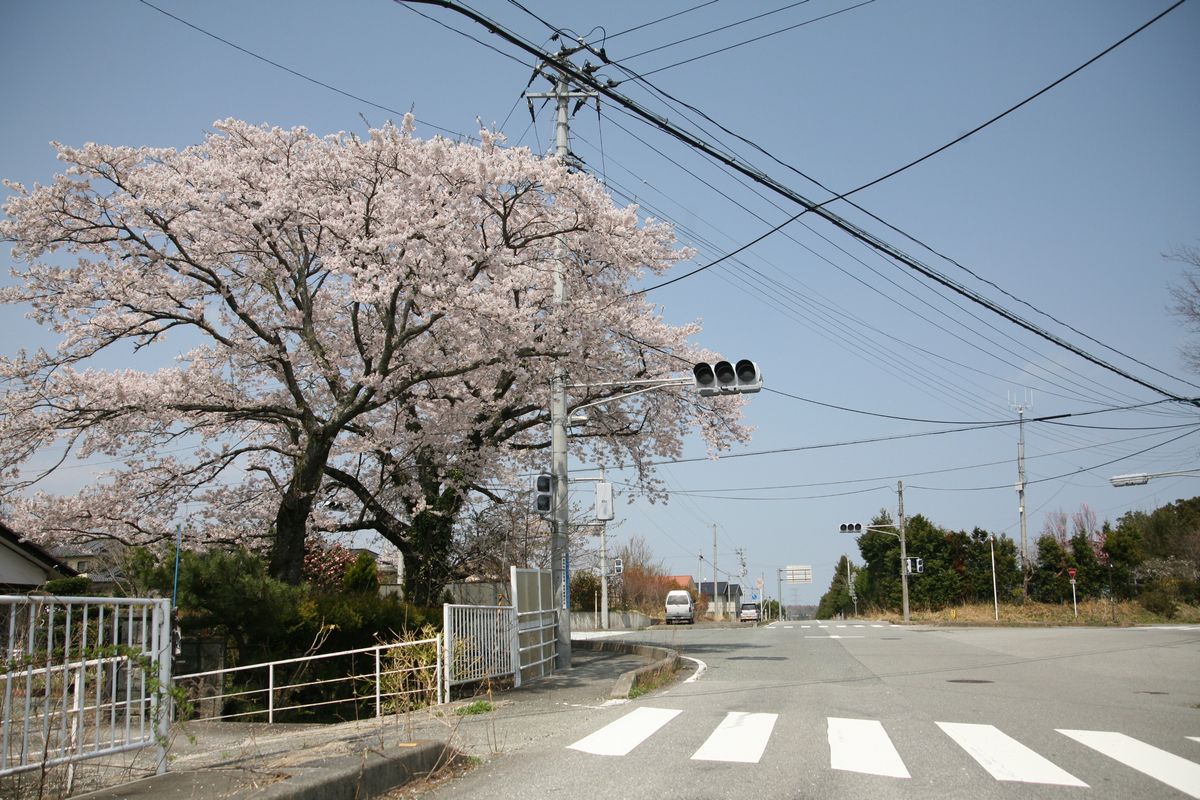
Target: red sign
[(1071, 571)]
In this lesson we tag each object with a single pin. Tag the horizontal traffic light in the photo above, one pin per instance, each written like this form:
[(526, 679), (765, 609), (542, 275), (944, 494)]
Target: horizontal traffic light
[(726, 377), (851, 527)]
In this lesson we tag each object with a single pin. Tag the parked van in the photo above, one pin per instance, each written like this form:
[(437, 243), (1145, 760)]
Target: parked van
[(680, 607)]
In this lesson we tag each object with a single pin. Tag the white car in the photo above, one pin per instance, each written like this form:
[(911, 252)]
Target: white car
[(748, 612), (680, 607)]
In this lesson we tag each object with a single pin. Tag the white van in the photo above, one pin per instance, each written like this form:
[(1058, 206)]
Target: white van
[(680, 607)]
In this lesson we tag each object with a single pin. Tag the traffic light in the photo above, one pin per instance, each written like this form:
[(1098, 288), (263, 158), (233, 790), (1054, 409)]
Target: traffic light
[(916, 566), (543, 494), (618, 566), (724, 377), (851, 527), (920, 565)]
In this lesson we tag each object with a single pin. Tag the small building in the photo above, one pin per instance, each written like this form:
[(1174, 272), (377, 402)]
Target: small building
[(24, 566), (725, 601)]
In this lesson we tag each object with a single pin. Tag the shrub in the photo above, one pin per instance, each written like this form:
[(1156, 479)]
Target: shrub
[(1159, 601)]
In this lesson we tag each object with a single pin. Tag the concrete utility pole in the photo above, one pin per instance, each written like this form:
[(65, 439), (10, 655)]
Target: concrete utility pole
[(603, 567), (1025, 570), (716, 608), (559, 553), (903, 551)]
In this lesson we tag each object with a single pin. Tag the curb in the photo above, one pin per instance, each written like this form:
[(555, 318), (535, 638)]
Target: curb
[(665, 659), (367, 774)]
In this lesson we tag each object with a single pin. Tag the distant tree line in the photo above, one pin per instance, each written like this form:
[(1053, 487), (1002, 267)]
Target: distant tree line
[(1153, 557)]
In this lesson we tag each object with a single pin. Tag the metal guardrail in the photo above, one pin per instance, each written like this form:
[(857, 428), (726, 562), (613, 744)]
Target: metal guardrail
[(395, 677), (82, 677)]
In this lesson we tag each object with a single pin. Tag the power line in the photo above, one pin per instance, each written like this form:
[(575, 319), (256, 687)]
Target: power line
[(301, 75)]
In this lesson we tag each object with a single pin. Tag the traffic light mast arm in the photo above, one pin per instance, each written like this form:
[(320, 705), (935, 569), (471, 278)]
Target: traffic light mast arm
[(649, 386)]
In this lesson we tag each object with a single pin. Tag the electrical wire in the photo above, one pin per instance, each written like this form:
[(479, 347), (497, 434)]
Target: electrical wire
[(299, 74)]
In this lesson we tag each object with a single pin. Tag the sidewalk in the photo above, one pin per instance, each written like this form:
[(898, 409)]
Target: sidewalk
[(238, 761)]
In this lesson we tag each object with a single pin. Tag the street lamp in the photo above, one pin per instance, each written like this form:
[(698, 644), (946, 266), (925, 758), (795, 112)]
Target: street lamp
[(1142, 478)]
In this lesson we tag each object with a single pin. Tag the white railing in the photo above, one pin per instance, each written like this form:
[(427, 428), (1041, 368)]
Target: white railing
[(393, 677), (481, 644), (83, 677)]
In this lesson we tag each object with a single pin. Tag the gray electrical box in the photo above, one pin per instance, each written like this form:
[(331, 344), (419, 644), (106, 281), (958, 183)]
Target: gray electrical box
[(604, 501)]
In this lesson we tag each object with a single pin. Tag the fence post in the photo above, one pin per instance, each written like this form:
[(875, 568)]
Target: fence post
[(514, 639), (378, 704), (448, 633), (271, 692), (162, 702), (440, 685)]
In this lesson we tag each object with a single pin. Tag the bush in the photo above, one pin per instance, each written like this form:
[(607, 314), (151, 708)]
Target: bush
[(1159, 601), (77, 586)]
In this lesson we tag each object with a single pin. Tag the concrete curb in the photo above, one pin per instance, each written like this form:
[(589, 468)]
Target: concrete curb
[(367, 774), (664, 660)]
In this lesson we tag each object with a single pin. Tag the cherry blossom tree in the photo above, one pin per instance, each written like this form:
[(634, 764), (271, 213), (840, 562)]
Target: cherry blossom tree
[(273, 333)]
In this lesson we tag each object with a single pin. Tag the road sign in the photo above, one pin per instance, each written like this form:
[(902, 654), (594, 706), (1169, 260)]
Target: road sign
[(798, 573), (1071, 571)]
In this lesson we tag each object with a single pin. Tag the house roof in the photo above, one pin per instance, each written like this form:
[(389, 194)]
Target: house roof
[(13, 541)]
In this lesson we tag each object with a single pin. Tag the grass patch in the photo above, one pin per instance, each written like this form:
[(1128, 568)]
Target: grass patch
[(1091, 612), (651, 681), (478, 707)]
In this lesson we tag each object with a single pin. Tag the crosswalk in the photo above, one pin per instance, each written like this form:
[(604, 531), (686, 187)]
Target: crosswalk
[(863, 746)]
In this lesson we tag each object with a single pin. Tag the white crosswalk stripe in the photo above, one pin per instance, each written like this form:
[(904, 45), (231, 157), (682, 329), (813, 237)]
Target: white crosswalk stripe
[(620, 737), (1176, 772), (741, 737), (1004, 757), (862, 745)]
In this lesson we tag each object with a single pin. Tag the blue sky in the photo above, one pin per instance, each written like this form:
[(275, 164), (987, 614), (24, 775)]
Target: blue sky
[(1067, 204)]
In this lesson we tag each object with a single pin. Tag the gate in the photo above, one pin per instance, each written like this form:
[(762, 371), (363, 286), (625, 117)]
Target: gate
[(520, 640), (83, 677)]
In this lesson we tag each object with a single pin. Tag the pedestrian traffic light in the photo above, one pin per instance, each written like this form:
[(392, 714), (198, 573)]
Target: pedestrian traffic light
[(920, 565), (618, 566), (851, 527), (543, 494), (916, 566), (724, 377)]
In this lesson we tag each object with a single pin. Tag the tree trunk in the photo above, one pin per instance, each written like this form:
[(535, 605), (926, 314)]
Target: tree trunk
[(291, 520)]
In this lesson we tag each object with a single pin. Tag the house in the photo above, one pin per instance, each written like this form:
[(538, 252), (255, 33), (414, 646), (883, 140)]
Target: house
[(24, 566), (682, 582), (98, 560)]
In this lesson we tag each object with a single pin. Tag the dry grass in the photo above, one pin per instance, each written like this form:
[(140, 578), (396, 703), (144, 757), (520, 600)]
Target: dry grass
[(1091, 612)]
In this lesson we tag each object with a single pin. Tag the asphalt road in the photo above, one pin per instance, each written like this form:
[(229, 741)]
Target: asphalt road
[(862, 710)]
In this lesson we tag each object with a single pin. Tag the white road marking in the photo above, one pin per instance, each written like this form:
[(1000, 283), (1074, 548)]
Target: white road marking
[(701, 668), (618, 738), (862, 745), (1004, 757), (741, 737), (1176, 772)]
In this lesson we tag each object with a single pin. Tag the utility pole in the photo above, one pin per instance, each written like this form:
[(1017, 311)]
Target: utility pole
[(603, 567), (903, 551), (716, 611), (1025, 570), (559, 554)]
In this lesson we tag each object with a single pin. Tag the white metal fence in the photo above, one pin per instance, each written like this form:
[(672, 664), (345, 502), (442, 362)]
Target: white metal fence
[(83, 677), (382, 679), (481, 643)]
